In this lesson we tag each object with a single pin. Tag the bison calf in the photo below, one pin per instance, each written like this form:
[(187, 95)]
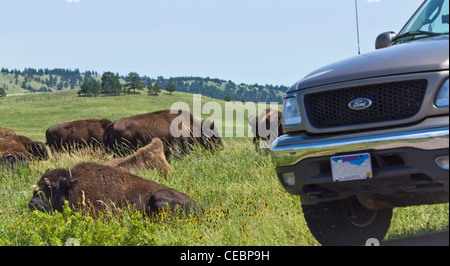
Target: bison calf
[(149, 157), (96, 184)]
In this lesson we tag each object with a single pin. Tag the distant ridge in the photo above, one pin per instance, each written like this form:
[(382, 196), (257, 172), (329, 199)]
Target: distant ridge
[(31, 80)]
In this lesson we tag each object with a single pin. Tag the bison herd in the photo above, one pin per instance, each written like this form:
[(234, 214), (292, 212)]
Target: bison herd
[(145, 141)]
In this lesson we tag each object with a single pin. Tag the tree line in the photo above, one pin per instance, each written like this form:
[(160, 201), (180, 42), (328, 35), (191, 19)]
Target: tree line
[(49, 79), (91, 83), (110, 84), (225, 90)]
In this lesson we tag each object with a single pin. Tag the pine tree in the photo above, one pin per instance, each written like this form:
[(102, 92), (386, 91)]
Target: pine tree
[(134, 82), (153, 89), (150, 88), (2, 93), (170, 87), (86, 87), (110, 84), (95, 86), (157, 88)]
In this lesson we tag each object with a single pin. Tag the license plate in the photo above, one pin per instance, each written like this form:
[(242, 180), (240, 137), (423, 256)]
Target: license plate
[(351, 167)]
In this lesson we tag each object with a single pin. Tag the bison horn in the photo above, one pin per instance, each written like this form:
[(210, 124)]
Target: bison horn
[(70, 179)]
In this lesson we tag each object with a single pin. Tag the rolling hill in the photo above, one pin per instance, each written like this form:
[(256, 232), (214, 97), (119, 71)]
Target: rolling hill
[(30, 80)]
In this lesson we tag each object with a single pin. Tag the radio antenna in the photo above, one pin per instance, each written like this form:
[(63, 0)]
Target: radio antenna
[(357, 26)]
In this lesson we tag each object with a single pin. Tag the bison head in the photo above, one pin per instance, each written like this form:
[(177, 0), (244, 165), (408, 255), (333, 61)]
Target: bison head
[(52, 190)]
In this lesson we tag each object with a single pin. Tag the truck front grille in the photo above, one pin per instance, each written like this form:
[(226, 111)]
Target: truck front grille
[(390, 101)]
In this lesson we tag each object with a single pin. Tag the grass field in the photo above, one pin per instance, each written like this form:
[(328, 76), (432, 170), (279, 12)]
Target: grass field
[(32, 114), (243, 200)]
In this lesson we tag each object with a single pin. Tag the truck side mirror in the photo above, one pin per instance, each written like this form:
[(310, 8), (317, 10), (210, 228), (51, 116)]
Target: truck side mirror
[(384, 40)]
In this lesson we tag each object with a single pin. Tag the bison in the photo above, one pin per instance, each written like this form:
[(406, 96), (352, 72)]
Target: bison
[(77, 133), (149, 157), (266, 127), (96, 185), (202, 132), (13, 147), (5, 132), (177, 129)]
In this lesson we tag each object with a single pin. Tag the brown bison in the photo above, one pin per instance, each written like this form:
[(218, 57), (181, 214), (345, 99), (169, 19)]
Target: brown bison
[(21, 147), (149, 157), (97, 185), (179, 129), (184, 125), (77, 133), (5, 132), (266, 127)]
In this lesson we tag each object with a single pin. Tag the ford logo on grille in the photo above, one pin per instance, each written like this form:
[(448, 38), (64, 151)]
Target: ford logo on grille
[(360, 104)]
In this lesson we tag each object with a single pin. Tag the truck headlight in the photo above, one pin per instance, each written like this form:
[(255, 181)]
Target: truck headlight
[(442, 97), (288, 179), (291, 112)]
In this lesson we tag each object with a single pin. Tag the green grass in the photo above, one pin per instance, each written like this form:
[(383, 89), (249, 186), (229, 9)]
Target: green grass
[(32, 114), (243, 200)]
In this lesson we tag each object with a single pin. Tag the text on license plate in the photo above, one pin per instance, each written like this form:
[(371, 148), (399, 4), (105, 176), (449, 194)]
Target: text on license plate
[(351, 167)]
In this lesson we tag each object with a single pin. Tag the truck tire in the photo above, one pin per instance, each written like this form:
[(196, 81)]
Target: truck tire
[(346, 222)]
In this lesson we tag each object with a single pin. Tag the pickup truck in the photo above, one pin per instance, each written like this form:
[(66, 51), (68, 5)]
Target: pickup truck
[(371, 133)]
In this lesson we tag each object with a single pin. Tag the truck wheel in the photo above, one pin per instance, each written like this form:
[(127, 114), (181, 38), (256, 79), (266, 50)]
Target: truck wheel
[(346, 222)]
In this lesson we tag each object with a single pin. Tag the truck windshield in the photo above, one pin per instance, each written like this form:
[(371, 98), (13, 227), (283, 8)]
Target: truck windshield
[(431, 19)]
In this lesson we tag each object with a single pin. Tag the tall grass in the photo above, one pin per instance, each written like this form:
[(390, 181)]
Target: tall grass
[(243, 202)]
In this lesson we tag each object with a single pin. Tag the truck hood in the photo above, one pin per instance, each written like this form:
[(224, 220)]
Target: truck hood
[(430, 54)]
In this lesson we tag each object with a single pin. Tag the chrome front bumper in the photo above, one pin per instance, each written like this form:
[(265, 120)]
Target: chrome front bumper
[(289, 150), (401, 162)]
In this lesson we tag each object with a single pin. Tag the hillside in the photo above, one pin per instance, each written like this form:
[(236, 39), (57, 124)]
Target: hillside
[(222, 89), (32, 80)]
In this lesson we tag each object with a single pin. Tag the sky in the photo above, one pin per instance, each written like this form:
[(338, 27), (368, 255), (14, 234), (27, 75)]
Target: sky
[(273, 42)]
